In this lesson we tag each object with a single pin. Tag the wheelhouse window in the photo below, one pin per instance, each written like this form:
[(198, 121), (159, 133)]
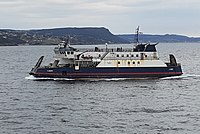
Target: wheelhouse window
[(61, 52)]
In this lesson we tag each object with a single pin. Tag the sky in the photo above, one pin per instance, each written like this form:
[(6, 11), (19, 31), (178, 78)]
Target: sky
[(119, 16)]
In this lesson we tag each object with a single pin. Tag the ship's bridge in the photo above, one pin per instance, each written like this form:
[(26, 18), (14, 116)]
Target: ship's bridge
[(63, 48), (145, 47)]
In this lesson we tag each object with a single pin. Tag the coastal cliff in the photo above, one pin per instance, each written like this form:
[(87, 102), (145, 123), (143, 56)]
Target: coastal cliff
[(79, 36)]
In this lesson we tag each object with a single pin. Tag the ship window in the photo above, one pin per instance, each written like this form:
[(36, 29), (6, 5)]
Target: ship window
[(117, 55), (138, 62), (132, 55), (118, 62), (122, 55), (99, 55), (145, 55), (133, 62), (72, 52), (127, 55), (136, 55), (129, 63), (68, 52)]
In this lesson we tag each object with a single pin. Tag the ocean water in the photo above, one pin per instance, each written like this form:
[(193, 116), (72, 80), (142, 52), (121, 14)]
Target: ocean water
[(110, 106)]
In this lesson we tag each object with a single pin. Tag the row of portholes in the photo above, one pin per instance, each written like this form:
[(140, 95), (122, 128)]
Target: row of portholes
[(63, 52), (68, 52), (130, 62), (128, 55)]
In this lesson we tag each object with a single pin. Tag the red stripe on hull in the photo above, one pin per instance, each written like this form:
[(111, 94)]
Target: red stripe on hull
[(94, 74)]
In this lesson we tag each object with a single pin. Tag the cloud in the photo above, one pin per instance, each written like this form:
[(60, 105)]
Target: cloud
[(120, 16)]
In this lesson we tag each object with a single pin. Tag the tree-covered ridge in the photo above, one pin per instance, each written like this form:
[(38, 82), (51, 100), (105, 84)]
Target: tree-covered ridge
[(79, 36)]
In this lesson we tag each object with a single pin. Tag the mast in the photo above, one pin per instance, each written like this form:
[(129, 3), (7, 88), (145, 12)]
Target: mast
[(68, 41), (137, 35)]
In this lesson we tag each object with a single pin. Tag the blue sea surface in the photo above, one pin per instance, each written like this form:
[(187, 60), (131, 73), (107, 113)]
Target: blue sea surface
[(109, 106)]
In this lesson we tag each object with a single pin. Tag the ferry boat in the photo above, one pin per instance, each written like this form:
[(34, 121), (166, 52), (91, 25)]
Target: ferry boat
[(140, 61)]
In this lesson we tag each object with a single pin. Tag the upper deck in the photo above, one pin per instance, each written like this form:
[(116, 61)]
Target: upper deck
[(137, 48)]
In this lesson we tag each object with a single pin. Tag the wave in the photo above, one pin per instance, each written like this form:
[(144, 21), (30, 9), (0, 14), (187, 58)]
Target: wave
[(31, 77), (182, 76), (116, 79)]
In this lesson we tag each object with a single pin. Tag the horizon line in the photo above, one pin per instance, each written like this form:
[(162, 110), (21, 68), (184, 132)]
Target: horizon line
[(29, 29)]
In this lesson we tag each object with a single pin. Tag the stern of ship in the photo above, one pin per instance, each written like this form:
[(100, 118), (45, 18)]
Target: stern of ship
[(174, 66)]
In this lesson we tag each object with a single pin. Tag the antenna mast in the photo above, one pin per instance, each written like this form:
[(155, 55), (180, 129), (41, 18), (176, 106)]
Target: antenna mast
[(137, 35)]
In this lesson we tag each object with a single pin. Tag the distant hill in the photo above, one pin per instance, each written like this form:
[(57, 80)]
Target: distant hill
[(159, 38), (81, 36), (54, 36), (10, 37)]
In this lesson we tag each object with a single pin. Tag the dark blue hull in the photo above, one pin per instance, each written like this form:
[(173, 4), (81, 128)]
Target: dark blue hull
[(108, 72)]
